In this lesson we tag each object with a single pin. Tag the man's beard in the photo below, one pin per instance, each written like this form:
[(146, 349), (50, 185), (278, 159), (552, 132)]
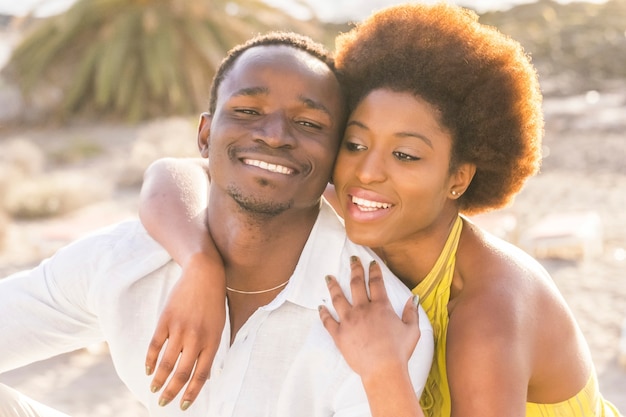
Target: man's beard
[(257, 206)]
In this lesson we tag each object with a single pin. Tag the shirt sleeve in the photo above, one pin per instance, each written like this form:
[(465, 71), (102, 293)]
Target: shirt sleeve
[(58, 306), (43, 313)]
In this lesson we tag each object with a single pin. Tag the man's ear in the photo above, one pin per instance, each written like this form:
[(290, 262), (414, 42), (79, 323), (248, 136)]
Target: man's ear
[(204, 133)]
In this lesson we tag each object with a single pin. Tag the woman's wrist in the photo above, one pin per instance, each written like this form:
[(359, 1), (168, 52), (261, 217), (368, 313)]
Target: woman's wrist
[(382, 373), (390, 391), (205, 268)]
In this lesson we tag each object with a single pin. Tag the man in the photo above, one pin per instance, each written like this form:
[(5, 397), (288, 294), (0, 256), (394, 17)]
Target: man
[(275, 121)]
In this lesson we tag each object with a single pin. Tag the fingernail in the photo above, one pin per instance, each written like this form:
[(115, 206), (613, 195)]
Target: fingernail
[(163, 402), (354, 259), (373, 262), (416, 300), (148, 370), (154, 388), (328, 279), (185, 405)]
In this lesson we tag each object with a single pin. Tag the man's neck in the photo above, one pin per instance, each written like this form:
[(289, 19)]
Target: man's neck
[(259, 253), (246, 240)]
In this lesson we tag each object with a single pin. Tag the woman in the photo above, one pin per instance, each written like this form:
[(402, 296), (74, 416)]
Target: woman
[(445, 120)]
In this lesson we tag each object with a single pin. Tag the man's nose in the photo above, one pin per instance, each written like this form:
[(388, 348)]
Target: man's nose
[(275, 131)]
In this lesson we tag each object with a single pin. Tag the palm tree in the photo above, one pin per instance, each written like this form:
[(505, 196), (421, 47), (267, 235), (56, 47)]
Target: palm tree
[(139, 58)]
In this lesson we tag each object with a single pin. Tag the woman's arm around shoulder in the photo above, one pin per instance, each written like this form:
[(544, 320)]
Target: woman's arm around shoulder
[(173, 210), (173, 203)]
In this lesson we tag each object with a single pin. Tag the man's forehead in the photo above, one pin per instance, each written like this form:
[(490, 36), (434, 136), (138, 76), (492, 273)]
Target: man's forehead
[(285, 56), (259, 67)]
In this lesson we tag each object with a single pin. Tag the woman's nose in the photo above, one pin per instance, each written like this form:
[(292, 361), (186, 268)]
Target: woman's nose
[(371, 168)]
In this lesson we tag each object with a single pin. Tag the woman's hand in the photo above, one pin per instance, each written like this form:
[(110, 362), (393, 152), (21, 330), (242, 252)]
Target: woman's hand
[(192, 323), (376, 343), (369, 333)]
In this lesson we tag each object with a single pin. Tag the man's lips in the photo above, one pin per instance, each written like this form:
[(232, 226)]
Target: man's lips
[(369, 205), (267, 166)]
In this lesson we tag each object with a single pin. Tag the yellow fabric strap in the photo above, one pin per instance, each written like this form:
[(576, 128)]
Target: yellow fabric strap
[(587, 403), (434, 293)]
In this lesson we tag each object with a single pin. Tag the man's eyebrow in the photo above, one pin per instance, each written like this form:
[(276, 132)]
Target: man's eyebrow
[(257, 91), (399, 134), (251, 91), (315, 105)]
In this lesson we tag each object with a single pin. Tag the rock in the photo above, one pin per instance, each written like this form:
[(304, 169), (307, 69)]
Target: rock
[(11, 104), (622, 346), (23, 155), (565, 235), (4, 225)]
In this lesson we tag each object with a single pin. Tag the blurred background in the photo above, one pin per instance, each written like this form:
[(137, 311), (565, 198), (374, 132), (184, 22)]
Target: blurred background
[(92, 91)]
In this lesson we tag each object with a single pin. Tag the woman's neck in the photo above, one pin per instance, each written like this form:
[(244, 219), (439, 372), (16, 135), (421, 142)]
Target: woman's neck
[(412, 259)]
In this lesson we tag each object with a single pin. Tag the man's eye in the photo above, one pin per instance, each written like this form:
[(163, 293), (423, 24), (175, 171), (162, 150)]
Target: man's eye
[(247, 111), (354, 147), (404, 157), (307, 123)]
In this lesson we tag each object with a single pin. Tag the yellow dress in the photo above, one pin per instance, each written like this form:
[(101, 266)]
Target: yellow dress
[(434, 293)]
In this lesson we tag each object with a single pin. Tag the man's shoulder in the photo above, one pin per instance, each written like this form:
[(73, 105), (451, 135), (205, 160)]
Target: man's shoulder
[(121, 245), (128, 235)]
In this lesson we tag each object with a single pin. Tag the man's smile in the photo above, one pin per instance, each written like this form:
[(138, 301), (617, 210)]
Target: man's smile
[(279, 169)]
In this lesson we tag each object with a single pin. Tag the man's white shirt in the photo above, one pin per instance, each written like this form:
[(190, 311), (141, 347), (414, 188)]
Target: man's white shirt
[(112, 286)]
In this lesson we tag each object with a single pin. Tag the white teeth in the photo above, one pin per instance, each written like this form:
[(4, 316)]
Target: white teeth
[(268, 167), (367, 205)]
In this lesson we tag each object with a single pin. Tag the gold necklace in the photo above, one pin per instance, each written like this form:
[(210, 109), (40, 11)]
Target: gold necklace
[(257, 292)]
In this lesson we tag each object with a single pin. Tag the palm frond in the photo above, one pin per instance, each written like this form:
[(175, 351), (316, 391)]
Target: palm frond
[(139, 58)]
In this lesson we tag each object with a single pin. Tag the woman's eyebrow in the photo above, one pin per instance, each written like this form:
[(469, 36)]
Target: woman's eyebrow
[(416, 135), (401, 134)]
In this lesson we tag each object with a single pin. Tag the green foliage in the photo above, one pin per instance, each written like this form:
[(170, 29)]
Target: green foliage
[(137, 59)]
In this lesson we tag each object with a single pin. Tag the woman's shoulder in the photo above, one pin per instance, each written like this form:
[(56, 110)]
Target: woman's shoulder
[(505, 293), (501, 285), (485, 257)]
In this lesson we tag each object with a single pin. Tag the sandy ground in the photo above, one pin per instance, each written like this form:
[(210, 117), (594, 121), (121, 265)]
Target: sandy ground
[(584, 172)]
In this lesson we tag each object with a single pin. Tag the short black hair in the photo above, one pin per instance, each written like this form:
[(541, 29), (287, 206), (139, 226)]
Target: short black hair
[(294, 40)]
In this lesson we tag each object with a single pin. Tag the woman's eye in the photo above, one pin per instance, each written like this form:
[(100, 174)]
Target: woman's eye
[(404, 156), (354, 147)]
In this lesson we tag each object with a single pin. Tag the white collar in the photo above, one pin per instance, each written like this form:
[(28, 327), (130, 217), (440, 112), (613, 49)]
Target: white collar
[(321, 256)]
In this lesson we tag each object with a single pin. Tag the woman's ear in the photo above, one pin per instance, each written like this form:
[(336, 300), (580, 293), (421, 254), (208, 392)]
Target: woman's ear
[(461, 179), (204, 133)]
